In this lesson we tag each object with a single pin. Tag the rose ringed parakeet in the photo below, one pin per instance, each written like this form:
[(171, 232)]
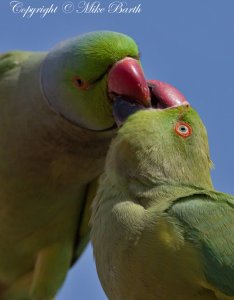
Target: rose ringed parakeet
[(159, 229), (56, 124)]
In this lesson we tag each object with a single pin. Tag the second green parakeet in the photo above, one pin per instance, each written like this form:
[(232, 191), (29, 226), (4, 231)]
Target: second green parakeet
[(159, 229), (56, 124)]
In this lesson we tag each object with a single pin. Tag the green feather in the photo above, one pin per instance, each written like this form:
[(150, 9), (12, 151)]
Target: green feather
[(159, 229), (89, 58), (53, 142), (209, 224), (11, 60)]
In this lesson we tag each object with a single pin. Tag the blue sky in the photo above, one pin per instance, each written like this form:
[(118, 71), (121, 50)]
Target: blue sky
[(189, 44)]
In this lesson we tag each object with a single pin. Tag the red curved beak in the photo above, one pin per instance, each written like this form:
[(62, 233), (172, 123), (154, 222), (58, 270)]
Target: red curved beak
[(126, 78), (166, 94)]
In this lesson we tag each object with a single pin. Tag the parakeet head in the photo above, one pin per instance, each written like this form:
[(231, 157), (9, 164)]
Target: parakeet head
[(81, 77), (161, 146)]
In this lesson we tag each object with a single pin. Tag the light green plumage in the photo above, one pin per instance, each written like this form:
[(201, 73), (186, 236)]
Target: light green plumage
[(159, 229), (48, 165), (90, 61)]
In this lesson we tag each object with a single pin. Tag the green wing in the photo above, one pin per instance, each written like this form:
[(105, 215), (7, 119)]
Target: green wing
[(11, 60), (209, 224)]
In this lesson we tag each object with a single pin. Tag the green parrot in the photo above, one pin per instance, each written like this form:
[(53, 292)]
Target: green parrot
[(159, 229), (56, 124)]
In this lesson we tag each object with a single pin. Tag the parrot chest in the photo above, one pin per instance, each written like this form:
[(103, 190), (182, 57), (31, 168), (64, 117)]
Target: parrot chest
[(144, 256)]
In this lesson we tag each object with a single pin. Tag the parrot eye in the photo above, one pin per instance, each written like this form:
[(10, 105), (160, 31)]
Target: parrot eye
[(81, 84), (183, 129)]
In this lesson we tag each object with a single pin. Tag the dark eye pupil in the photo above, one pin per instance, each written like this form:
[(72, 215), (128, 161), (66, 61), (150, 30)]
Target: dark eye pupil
[(183, 129), (79, 81)]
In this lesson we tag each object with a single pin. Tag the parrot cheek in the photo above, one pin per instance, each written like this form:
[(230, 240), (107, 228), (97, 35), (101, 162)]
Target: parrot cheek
[(89, 108)]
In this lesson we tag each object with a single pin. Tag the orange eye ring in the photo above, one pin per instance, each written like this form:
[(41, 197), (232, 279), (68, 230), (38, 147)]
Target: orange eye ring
[(80, 84), (183, 129)]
